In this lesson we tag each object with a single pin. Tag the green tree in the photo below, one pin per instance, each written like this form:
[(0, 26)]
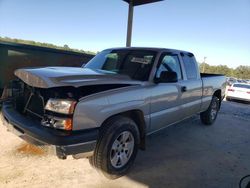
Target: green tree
[(242, 72), (42, 44), (66, 47)]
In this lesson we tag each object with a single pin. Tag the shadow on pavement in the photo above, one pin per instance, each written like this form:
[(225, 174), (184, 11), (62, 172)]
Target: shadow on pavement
[(190, 154)]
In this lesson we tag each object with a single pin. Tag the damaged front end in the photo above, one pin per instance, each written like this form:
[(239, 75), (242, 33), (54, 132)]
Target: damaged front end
[(24, 113), (44, 116), (52, 107), (31, 103)]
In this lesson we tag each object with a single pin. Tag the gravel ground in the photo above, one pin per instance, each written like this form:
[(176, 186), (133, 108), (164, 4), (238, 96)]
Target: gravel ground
[(187, 154)]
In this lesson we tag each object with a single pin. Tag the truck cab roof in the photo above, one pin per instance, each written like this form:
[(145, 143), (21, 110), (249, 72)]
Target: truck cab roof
[(157, 49)]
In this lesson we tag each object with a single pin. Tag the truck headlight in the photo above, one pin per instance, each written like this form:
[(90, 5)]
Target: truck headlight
[(62, 106), (58, 123)]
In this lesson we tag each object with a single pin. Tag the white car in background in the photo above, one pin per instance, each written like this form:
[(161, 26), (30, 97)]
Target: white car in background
[(239, 91)]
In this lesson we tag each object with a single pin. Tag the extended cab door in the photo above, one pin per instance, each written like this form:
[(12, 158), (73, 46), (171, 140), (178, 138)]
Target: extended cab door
[(166, 97), (191, 97)]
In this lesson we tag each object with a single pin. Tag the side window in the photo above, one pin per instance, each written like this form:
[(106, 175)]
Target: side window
[(170, 63), (190, 66)]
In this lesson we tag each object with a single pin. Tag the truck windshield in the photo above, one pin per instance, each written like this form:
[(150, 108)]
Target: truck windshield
[(134, 63)]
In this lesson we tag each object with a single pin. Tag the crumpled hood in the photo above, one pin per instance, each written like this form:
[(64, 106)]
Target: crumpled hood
[(48, 77)]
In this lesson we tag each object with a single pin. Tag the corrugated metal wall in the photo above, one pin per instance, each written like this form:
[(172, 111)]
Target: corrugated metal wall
[(14, 56)]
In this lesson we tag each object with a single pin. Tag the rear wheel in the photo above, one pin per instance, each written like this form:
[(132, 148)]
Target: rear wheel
[(116, 148), (209, 116)]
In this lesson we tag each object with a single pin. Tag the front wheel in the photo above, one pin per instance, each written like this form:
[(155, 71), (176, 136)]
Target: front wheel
[(209, 116), (117, 147)]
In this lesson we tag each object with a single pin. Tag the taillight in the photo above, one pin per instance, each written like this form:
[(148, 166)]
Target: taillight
[(231, 90), (248, 92)]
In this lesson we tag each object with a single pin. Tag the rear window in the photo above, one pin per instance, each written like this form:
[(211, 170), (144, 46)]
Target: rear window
[(190, 66), (242, 86)]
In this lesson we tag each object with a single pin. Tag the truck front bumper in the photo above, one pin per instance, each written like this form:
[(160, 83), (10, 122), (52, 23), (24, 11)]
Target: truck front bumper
[(76, 143)]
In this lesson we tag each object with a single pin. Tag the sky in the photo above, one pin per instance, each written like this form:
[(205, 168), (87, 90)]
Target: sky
[(216, 29)]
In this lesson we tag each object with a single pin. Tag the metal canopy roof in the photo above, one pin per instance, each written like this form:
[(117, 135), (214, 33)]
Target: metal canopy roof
[(133, 3), (141, 2)]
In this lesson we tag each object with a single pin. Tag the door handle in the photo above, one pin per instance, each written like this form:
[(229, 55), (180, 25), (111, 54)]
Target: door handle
[(183, 88)]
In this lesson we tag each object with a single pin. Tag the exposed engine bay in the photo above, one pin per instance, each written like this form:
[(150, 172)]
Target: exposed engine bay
[(31, 101)]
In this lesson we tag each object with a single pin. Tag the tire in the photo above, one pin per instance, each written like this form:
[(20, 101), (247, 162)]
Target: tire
[(116, 147), (209, 116), (91, 161)]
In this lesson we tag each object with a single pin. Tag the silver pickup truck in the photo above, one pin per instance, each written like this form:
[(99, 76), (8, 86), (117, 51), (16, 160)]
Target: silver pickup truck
[(105, 109)]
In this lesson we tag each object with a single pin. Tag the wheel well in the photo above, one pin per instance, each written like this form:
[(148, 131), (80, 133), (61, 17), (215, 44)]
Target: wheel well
[(138, 117), (217, 93)]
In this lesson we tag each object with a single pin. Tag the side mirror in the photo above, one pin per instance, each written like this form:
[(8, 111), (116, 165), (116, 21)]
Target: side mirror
[(167, 77)]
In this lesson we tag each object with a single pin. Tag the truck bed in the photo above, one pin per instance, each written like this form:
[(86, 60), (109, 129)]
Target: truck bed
[(210, 84)]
